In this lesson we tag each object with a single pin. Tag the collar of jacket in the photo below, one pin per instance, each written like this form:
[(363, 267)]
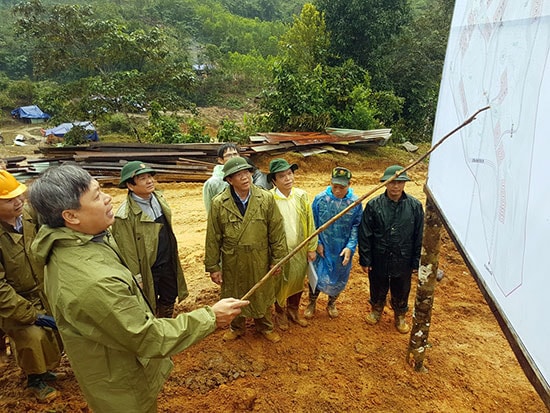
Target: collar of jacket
[(228, 202), (132, 205), (403, 196)]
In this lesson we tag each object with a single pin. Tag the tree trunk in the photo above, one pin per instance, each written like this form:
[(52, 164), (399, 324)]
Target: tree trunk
[(427, 273)]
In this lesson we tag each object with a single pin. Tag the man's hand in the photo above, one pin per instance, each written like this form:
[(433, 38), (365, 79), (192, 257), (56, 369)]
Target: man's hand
[(321, 250), (365, 269), (227, 309), (216, 277), (311, 255), (346, 253)]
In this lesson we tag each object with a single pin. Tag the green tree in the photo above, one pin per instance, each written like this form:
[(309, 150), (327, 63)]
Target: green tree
[(362, 29), (102, 66), (307, 41), (309, 94), (413, 65), (67, 40)]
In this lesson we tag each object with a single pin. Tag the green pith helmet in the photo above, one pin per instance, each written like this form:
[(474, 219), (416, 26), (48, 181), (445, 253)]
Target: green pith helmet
[(279, 165), (132, 169), (391, 170), (235, 165)]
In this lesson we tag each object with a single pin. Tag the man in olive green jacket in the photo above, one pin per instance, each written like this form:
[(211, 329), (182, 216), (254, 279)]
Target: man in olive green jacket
[(22, 300), (244, 237), (118, 349), (143, 232)]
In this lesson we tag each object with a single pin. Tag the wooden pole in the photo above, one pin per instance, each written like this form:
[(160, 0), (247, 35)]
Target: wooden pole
[(283, 261), (427, 274)]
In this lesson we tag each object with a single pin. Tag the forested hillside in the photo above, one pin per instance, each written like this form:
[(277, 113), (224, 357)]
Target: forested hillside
[(291, 65)]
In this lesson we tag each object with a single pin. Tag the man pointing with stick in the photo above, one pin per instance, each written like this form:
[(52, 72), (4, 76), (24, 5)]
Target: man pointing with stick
[(118, 349), (283, 261)]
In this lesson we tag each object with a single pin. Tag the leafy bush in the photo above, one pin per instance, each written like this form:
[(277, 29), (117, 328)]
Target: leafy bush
[(168, 128), (229, 131), (76, 136), (117, 123)]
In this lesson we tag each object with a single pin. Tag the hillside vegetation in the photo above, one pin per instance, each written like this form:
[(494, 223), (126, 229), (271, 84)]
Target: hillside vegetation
[(290, 65)]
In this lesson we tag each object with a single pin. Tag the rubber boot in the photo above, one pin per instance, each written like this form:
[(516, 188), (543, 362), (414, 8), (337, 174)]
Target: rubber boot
[(310, 309), (331, 308), (281, 318), (401, 325), (376, 313), (295, 316), (373, 317)]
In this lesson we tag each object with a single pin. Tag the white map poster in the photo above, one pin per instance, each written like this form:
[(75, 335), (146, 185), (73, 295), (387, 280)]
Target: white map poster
[(492, 180)]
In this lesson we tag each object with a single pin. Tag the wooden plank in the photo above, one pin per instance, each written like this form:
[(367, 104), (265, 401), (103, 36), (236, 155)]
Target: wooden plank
[(333, 149), (268, 148), (311, 151)]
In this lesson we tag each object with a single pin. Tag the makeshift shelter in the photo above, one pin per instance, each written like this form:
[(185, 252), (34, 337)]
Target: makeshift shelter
[(62, 129), (31, 114)]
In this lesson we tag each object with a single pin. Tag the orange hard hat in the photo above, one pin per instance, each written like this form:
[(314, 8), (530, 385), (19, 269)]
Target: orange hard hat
[(9, 186)]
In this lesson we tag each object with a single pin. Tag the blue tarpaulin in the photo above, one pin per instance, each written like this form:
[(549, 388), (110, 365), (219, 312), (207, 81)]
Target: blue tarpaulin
[(29, 112), (61, 130)]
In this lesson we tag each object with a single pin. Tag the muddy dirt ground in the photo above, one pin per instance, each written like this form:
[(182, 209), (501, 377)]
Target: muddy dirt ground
[(332, 365)]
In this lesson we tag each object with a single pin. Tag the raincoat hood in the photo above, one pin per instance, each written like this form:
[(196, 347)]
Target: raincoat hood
[(48, 237)]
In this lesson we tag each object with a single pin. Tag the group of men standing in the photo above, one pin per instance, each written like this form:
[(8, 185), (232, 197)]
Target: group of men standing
[(112, 279), (67, 284), (250, 230)]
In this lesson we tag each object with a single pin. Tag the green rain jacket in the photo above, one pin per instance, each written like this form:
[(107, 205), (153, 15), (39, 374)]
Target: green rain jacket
[(118, 350), (21, 279), (22, 298), (136, 235), (243, 248)]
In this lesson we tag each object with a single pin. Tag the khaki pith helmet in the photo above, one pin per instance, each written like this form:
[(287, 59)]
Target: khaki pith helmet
[(235, 165), (132, 169)]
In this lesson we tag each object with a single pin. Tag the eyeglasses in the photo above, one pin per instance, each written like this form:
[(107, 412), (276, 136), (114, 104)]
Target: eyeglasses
[(229, 155), (339, 172)]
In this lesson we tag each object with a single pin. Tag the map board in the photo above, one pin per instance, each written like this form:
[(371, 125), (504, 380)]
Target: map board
[(491, 181)]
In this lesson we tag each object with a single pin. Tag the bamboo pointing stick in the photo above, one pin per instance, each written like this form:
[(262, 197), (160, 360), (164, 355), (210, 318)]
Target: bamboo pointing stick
[(354, 204)]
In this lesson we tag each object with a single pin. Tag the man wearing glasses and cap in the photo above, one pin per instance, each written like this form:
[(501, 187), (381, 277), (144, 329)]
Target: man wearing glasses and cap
[(143, 232), (337, 243), (245, 236), (216, 184), (390, 242)]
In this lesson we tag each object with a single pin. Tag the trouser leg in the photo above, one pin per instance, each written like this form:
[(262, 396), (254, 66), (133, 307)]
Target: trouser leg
[(379, 285), (166, 285), (166, 290), (264, 324), (238, 324), (400, 288), (293, 302), (36, 349)]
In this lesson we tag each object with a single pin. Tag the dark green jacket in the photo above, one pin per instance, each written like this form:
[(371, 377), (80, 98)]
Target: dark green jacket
[(137, 236), (244, 247)]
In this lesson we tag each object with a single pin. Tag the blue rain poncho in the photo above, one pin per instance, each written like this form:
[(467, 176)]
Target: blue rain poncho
[(332, 275)]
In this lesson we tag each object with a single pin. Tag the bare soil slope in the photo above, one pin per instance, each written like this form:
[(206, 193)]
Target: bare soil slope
[(333, 365)]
